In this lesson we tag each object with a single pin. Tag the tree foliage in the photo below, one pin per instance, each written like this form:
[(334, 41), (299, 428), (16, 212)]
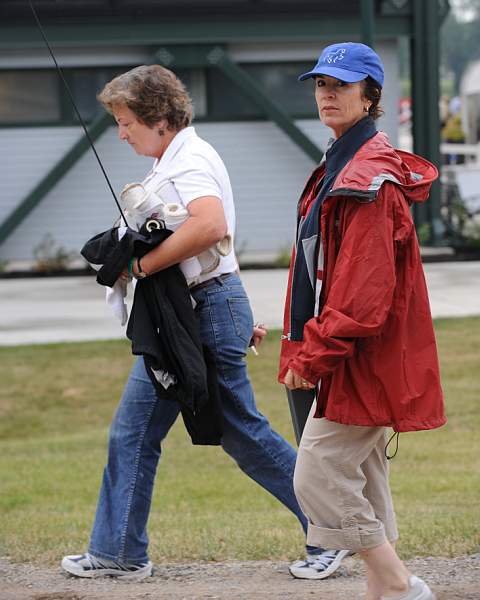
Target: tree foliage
[(460, 38)]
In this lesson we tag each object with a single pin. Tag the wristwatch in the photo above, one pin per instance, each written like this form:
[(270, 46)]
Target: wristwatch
[(141, 274)]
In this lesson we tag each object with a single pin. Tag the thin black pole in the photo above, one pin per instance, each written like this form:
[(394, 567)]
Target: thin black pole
[(72, 100)]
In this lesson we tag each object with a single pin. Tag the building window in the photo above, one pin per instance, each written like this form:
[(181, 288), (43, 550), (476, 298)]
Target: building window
[(40, 98), (195, 82), (280, 83), (85, 84), (29, 97), (226, 100)]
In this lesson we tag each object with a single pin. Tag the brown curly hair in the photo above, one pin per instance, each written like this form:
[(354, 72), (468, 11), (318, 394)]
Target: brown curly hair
[(373, 92), (153, 93)]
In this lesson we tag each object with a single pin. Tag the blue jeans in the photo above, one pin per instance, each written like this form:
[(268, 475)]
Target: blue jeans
[(143, 419)]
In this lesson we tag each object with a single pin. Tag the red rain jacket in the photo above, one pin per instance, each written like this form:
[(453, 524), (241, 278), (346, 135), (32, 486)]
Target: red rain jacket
[(372, 345)]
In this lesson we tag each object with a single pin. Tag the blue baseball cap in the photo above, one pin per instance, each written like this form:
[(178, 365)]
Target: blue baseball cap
[(350, 62)]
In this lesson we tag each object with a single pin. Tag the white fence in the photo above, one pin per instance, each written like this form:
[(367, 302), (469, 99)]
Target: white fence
[(471, 152)]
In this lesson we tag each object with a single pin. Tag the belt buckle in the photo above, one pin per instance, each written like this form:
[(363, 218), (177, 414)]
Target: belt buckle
[(202, 284)]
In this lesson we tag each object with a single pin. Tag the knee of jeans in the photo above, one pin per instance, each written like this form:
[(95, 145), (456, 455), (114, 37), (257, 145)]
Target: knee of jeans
[(115, 435), (121, 432), (248, 456), (234, 448)]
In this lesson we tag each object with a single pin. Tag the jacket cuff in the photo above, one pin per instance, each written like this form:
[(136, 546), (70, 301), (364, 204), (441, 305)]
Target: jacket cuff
[(304, 371)]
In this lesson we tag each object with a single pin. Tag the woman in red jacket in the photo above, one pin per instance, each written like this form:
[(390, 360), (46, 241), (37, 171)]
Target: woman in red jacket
[(358, 326)]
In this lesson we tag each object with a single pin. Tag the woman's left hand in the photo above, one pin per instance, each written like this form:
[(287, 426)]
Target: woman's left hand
[(129, 271), (294, 381), (125, 275)]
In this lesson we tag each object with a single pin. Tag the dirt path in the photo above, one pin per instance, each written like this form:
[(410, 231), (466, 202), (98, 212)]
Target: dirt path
[(452, 579)]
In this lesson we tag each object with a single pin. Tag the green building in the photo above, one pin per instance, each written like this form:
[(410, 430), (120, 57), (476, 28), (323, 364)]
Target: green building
[(239, 59)]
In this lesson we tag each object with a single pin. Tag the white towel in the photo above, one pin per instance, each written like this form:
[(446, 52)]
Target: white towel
[(115, 296), (115, 299)]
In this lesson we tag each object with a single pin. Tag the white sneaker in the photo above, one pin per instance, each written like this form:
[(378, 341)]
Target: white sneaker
[(87, 565), (418, 590), (318, 566)]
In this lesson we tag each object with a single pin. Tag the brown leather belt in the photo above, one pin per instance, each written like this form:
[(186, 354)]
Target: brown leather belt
[(203, 284)]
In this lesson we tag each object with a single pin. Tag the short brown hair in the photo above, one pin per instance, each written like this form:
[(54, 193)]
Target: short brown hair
[(373, 92), (152, 93)]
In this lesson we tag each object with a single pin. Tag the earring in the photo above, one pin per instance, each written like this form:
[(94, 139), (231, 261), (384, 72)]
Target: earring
[(161, 132), (366, 109)]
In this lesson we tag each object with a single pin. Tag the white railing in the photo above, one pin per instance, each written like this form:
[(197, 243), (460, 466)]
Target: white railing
[(462, 180), (471, 152)]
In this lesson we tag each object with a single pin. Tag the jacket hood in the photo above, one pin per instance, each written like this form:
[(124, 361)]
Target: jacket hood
[(376, 162)]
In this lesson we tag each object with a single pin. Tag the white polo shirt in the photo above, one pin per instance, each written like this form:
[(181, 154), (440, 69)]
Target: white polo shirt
[(190, 168)]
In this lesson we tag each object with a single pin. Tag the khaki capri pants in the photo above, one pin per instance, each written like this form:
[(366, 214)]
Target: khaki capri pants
[(341, 484)]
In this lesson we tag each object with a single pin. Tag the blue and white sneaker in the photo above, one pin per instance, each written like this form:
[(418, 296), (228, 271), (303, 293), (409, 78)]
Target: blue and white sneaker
[(87, 565), (318, 566)]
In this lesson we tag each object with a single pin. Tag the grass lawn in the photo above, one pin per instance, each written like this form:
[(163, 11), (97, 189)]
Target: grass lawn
[(56, 402)]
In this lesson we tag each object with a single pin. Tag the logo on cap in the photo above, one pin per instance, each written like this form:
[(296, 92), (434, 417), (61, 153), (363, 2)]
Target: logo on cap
[(333, 57)]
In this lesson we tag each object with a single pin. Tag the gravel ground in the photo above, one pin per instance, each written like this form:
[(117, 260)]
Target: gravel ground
[(451, 578)]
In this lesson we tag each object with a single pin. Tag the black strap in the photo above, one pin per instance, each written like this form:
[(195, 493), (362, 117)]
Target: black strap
[(390, 456)]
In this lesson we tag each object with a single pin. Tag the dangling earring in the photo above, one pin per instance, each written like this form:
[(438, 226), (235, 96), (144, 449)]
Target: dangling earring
[(366, 109)]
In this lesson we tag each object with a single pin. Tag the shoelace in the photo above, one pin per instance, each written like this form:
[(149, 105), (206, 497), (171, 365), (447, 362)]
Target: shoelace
[(322, 559), (97, 563)]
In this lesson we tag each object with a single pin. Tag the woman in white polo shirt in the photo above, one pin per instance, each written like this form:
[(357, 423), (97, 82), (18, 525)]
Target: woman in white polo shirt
[(153, 112)]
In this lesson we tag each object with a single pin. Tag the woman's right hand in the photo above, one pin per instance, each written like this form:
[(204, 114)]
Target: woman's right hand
[(259, 332)]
